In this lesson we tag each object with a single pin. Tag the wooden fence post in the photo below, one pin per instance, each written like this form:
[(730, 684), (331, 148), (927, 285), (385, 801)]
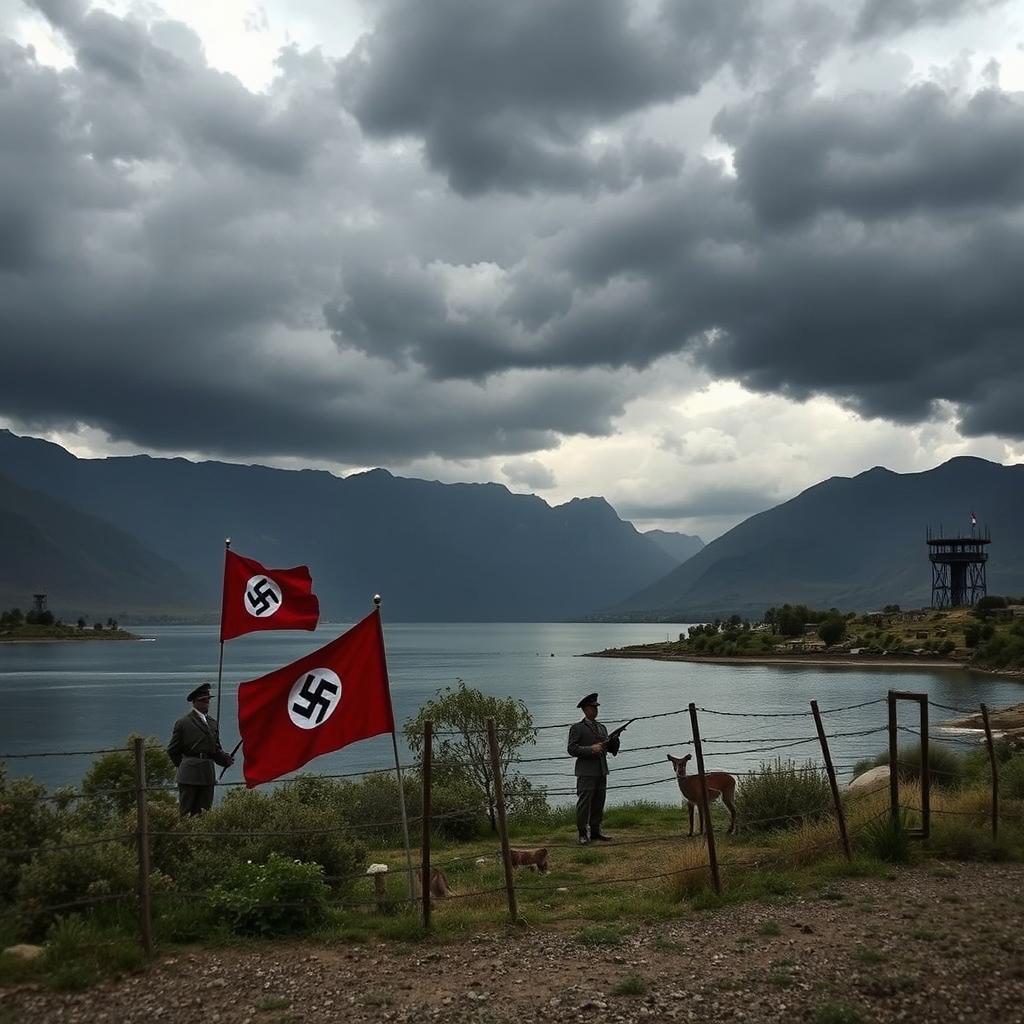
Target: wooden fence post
[(499, 799), (926, 774), (894, 764), (705, 804), (830, 768), (428, 745), (142, 842), (995, 772)]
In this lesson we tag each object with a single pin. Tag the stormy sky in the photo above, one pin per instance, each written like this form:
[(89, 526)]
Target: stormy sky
[(693, 256)]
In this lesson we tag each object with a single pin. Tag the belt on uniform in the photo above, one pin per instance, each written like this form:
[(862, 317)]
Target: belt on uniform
[(201, 757)]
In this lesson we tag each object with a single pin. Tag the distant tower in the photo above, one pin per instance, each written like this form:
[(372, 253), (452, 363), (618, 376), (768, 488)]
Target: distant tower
[(39, 602), (958, 567)]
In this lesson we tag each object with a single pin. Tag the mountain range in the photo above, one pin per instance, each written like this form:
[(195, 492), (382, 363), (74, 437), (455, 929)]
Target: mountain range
[(854, 543), (436, 552), (144, 536)]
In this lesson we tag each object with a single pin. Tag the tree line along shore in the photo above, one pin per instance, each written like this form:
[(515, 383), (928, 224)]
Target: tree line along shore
[(988, 637)]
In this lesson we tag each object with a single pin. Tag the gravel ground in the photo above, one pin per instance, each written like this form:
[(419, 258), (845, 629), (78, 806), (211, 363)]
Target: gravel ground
[(938, 943)]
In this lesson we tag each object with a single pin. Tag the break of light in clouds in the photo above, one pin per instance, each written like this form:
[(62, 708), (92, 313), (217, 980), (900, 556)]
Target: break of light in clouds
[(692, 257)]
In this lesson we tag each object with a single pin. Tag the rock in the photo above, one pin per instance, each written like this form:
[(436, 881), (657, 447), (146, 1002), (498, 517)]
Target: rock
[(24, 951), (869, 781)]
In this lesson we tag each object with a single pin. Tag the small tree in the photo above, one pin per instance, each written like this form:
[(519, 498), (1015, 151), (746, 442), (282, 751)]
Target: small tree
[(832, 630), (81, 622), (460, 749)]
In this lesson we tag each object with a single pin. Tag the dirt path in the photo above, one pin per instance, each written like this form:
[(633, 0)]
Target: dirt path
[(939, 943)]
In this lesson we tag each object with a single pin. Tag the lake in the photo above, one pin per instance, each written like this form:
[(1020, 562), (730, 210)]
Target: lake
[(92, 694)]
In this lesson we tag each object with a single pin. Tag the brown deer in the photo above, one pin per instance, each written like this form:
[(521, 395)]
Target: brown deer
[(720, 784)]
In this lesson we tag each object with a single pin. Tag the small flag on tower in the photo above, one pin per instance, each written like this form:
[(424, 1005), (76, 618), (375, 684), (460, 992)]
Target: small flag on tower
[(974, 520)]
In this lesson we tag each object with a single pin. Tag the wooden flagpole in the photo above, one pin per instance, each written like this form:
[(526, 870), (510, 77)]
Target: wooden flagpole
[(398, 773)]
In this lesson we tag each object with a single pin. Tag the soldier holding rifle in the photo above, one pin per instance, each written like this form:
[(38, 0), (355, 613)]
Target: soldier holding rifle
[(590, 743)]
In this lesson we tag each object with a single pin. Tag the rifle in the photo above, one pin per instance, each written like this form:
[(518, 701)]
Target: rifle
[(616, 732)]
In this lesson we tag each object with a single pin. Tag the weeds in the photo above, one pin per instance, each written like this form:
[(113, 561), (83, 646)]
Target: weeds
[(631, 985)]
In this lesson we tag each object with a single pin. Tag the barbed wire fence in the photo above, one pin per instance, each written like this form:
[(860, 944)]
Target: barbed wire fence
[(697, 790)]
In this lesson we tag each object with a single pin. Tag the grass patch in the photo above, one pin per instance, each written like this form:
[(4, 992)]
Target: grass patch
[(769, 929), (837, 1013), (631, 985), (599, 935), (273, 1003), (868, 955)]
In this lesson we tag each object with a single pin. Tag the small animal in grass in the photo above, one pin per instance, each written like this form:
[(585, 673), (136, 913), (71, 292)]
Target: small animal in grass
[(535, 860), (439, 888), (719, 784)]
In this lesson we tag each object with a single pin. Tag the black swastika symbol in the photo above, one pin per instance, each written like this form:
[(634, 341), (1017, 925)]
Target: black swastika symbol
[(260, 596), (317, 693)]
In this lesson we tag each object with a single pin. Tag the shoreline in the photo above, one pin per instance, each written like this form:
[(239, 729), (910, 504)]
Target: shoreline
[(68, 639), (810, 660)]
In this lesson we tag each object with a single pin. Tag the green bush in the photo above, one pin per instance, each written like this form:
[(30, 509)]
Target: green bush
[(26, 821), (782, 794), (280, 897), (1011, 778), (64, 876), (110, 782), (947, 769), (284, 825), (886, 839)]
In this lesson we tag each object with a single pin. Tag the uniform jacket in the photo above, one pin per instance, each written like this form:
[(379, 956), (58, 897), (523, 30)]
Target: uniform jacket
[(582, 736), (195, 750)]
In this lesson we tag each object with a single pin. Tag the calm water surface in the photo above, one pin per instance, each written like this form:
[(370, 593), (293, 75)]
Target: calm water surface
[(79, 696)]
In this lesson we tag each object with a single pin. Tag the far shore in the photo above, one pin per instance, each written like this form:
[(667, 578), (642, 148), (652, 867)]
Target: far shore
[(85, 638), (810, 660)]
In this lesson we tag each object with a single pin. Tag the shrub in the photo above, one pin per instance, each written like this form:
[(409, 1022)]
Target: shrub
[(283, 825), (946, 768), (782, 794), (1011, 778), (110, 782), (26, 821), (275, 898), (832, 630), (65, 876), (886, 839)]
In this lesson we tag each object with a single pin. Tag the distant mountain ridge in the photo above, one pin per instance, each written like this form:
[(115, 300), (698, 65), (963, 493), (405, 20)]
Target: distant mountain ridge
[(101, 570), (852, 543), (680, 546), (436, 552)]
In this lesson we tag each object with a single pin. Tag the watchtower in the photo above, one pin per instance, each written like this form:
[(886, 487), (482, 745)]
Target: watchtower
[(958, 567), (39, 602)]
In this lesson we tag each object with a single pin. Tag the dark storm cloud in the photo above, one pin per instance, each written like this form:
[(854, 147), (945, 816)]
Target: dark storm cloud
[(872, 156), (503, 94), (191, 265), (877, 17)]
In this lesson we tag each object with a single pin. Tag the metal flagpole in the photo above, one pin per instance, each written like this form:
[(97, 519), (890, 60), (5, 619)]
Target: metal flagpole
[(398, 772), (220, 663)]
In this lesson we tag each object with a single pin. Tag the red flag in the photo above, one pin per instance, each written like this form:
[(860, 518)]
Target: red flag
[(259, 598), (324, 701)]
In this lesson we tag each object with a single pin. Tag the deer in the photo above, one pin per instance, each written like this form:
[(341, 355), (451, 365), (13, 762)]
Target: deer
[(719, 784)]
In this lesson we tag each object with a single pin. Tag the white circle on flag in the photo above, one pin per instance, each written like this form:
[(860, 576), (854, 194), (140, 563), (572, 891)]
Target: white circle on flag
[(262, 596), (314, 697)]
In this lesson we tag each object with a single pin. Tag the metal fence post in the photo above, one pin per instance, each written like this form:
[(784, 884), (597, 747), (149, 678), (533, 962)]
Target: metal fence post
[(499, 799), (142, 842), (894, 764), (705, 804)]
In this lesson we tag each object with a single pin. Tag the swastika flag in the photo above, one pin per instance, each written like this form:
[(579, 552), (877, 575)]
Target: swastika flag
[(322, 702), (260, 598)]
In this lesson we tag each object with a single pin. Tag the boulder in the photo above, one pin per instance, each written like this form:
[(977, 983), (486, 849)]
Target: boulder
[(24, 951), (869, 781)]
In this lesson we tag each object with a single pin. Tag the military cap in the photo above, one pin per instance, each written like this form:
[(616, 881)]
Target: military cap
[(591, 698), (202, 690)]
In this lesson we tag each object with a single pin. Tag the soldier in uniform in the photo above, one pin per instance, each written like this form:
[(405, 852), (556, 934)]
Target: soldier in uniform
[(590, 744), (195, 750)]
